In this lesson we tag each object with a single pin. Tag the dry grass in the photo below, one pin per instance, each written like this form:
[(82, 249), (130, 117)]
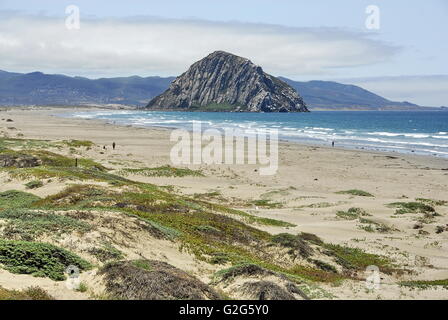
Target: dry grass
[(153, 280), (266, 290), (296, 245), (31, 293)]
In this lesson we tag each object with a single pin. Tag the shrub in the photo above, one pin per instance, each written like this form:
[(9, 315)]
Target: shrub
[(351, 214), (373, 226), (357, 259), (37, 293), (107, 253), (295, 243), (220, 258), (52, 159), (266, 290), (164, 171), (411, 207), (153, 280), (34, 184), (29, 223), (244, 269), (38, 259), (251, 218), (142, 264), (310, 237), (78, 143), (356, 192), (432, 202), (267, 204), (82, 287), (31, 293), (324, 266), (315, 274), (207, 229), (425, 284), (16, 199)]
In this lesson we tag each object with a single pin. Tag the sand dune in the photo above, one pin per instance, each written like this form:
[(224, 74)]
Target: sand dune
[(305, 192)]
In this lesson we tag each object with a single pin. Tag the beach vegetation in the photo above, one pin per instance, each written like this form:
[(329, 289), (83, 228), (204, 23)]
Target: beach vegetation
[(202, 228), (311, 237), (210, 196), (16, 199), (106, 253), (153, 280), (242, 269), (249, 218), (30, 293), (356, 192), (163, 171), (212, 232), (25, 144), (294, 242), (411, 207), (351, 214), (142, 264), (324, 266), (374, 226), (38, 259), (316, 274), (321, 205), (26, 224), (78, 143), (82, 287), (356, 259), (67, 173), (432, 202), (265, 203), (220, 258), (34, 184), (425, 284)]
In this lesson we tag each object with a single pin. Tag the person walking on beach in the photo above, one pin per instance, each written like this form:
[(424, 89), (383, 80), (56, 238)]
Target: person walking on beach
[(332, 144), (113, 145)]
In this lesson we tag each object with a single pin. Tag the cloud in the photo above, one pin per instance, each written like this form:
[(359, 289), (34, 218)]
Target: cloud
[(428, 90), (156, 46)]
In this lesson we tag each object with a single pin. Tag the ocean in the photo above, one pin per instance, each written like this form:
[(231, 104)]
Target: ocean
[(423, 132)]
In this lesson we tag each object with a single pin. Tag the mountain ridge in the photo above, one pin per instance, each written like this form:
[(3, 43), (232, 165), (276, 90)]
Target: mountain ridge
[(335, 95), (37, 88)]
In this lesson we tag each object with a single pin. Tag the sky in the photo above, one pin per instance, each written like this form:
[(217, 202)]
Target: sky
[(403, 59)]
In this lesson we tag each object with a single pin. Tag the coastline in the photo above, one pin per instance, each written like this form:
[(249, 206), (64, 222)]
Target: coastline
[(47, 116), (359, 142), (305, 188)]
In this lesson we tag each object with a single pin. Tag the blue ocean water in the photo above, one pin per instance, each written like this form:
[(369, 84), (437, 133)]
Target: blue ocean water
[(424, 132)]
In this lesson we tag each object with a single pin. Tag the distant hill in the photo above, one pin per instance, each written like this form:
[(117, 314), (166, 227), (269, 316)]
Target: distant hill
[(37, 88), (338, 96)]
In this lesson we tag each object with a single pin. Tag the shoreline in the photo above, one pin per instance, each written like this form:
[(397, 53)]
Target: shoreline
[(408, 152), (49, 112)]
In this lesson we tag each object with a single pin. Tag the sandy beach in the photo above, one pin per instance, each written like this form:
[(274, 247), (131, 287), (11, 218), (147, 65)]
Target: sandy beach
[(305, 192)]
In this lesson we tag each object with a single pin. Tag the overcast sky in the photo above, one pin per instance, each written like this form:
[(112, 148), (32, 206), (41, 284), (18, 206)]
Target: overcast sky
[(405, 59)]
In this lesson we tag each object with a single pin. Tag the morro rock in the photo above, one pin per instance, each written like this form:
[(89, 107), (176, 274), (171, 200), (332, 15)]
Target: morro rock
[(225, 82)]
